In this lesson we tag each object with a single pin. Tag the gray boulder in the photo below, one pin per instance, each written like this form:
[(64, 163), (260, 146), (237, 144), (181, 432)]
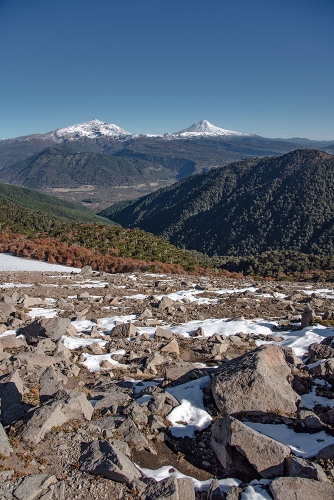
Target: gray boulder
[(123, 331), (171, 489), (165, 302), (297, 488), (256, 381), (265, 454), (86, 271), (326, 453), (52, 328), (104, 459), (290, 356), (6, 310), (34, 485), (113, 400), (324, 369), (64, 406), (163, 333), (319, 351), (298, 467), (214, 492), (5, 448), (306, 317), (12, 342), (131, 434), (49, 383)]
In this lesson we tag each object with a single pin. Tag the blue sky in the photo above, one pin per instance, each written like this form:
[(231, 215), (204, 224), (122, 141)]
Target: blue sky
[(153, 66)]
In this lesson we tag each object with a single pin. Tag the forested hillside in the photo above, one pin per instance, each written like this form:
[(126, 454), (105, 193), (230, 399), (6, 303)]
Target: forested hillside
[(57, 168), (245, 208)]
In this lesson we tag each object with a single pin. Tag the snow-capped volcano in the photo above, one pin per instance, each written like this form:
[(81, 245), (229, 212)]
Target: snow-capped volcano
[(92, 129), (206, 129)]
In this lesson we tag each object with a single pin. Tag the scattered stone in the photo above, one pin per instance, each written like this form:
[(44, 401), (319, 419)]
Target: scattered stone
[(265, 454), (64, 406), (104, 459), (171, 489), (49, 384), (306, 317), (12, 342), (123, 331), (163, 333), (256, 381), (298, 467), (297, 488), (165, 302), (130, 434), (172, 347), (86, 271), (214, 492), (32, 486), (309, 420), (53, 328), (5, 448)]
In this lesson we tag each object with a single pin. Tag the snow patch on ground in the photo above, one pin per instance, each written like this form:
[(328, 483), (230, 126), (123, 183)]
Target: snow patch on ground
[(93, 361), (9, 262), (301, 444), (168, 471), (190, 415)]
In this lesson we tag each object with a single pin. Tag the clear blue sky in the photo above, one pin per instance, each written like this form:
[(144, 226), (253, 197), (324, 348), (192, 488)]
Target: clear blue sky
[(153, 66)]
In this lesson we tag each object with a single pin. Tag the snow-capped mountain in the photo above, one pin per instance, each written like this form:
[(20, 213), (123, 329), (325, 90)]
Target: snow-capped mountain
[(92, 129), (205, 129)]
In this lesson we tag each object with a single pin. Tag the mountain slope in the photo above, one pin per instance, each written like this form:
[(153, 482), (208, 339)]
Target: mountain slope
[(15, 200), (284, 203), (92, 129), (56, 168)]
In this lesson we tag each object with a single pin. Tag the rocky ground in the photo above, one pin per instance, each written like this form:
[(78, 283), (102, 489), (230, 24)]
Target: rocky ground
[(215, 387)]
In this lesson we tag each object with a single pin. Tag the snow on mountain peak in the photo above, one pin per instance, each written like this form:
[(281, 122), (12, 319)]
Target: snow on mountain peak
[(92, 129), (205, 128)]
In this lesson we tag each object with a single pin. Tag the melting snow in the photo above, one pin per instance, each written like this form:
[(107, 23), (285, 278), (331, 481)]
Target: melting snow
[(11, 263), (168, 471), (190, 415), (301, 444)]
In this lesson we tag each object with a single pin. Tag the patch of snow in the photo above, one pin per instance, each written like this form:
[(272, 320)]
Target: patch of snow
[(225, 326), (140, 385), (15, 285), (256, 491), (92, 361), (105, 323), (76, 342), (10, 262), (190, 415), (168, 471), (8, 332), (310, 400), (300, 340), (41, 311), (301, 444)]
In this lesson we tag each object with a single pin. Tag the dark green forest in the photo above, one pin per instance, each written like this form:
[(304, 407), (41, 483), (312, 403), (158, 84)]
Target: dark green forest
[(281, 203)]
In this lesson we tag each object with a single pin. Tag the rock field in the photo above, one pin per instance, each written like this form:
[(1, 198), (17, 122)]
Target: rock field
[(139, 386)]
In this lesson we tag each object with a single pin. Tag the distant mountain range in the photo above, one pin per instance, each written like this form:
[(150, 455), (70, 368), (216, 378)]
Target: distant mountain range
[(105, 157), (247, 207)]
